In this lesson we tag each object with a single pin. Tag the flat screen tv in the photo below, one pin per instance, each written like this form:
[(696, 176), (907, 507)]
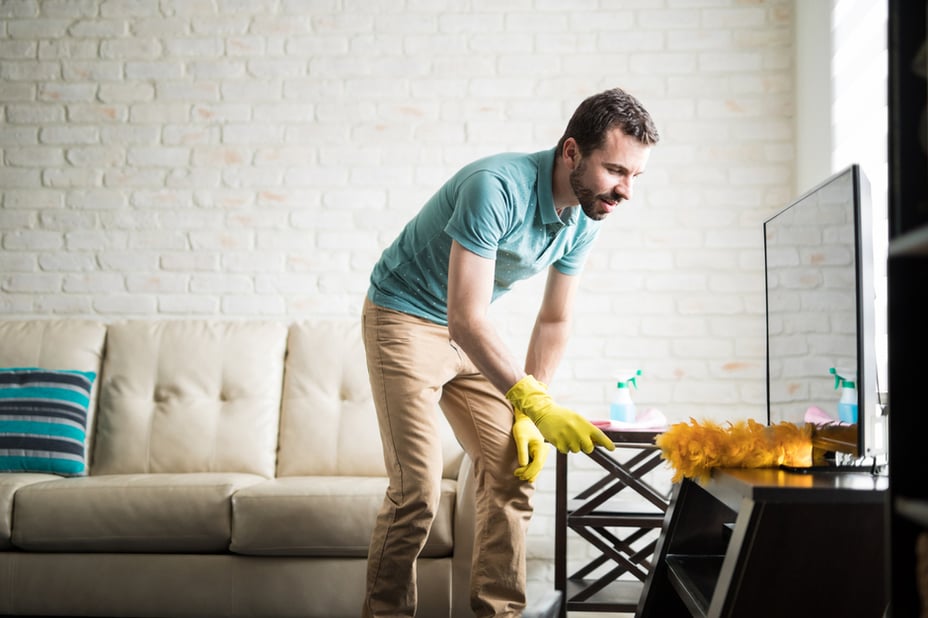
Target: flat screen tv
[(818, 255)]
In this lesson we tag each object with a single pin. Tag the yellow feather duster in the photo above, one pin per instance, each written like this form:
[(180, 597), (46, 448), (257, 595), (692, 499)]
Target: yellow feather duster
[(694, 448)]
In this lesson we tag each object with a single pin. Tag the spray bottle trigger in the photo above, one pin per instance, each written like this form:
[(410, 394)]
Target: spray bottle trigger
[(839, 379)]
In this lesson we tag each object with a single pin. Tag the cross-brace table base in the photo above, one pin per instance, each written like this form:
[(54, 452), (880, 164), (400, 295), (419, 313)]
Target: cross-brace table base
[(621, 537)]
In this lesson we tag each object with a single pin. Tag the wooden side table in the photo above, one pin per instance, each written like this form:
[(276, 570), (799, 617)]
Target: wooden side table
[(616, 534)]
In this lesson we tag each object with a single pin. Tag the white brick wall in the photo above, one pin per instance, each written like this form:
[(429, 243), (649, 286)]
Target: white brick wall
[(239, 158)]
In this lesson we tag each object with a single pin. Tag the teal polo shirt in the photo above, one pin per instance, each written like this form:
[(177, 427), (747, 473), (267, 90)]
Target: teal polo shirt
[(500, 208)]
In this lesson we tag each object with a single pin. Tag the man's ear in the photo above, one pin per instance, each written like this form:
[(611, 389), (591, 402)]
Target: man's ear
[(571, 152)]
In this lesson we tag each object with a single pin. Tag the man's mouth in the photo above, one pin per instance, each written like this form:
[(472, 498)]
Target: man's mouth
[(608, 204)]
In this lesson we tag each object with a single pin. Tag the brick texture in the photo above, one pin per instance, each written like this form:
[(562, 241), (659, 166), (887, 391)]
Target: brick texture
[(251, 158)]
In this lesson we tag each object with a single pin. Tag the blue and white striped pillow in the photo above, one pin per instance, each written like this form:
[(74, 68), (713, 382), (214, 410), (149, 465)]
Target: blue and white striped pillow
[(43, 420)]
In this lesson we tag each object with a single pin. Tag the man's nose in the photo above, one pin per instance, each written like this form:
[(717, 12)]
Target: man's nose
[(624, 189)]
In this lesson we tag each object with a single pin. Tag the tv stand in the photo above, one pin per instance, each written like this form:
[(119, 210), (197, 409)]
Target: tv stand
[(770, 543)]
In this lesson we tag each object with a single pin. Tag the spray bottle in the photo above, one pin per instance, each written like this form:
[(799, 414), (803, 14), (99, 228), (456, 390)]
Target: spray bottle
[(847, 404), (622, 408)]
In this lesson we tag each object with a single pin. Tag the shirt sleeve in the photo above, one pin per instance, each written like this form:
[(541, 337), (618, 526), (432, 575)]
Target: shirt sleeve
[(572, 262), (481, 214)]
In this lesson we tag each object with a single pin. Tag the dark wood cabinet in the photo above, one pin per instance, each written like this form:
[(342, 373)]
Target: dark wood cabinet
[(907, 303), (770, 543)]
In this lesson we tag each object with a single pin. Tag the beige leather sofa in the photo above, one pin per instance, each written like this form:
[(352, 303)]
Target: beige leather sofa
[(235, 469)]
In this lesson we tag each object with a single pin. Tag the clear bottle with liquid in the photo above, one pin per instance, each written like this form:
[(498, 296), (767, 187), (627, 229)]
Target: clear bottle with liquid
[(622, 408), (847, 403)]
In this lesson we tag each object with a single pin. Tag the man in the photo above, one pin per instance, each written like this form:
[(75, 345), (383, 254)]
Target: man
[(430, 344)]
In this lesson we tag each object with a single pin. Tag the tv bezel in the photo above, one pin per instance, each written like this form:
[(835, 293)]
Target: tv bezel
[(871, 435)]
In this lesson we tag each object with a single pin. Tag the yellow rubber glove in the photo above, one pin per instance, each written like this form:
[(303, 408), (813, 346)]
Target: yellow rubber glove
[(530, 445), (565, 429)]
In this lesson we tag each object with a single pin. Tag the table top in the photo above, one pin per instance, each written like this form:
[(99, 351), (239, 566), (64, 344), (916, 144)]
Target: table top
[(633, 436), (731, 485)]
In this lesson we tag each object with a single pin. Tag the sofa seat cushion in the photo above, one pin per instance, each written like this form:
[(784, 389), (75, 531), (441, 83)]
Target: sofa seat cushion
[(128, 513), (10, 482), (324, 516)]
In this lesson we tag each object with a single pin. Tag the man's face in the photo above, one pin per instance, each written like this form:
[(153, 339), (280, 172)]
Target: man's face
[(604, 178)]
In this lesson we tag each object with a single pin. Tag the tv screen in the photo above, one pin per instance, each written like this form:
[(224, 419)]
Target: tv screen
[(821, 351)]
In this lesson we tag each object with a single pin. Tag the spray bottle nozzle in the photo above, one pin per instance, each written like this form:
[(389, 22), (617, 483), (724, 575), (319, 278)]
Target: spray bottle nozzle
[(629, 378), (840, 380)]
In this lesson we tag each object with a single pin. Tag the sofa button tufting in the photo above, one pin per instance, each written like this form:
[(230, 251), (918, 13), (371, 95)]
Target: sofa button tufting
[(210, 482)]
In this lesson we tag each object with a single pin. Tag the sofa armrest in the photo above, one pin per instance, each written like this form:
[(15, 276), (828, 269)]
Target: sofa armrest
[(464, 510)]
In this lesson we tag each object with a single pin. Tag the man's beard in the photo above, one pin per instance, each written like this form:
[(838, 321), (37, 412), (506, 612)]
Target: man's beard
[(585, 196)]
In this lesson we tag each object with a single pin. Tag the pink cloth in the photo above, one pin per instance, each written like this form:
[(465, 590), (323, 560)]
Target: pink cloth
[(650, 418), (817, 416)]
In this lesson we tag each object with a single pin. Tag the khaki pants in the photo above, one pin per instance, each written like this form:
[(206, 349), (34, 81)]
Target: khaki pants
[(415, 368)]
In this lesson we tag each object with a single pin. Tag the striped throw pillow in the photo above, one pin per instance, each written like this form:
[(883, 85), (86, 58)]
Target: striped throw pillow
[(43, 420)]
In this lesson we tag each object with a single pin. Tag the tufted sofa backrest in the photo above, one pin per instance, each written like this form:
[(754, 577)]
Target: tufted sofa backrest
[(250, 396), (190, 396), (328, 423)]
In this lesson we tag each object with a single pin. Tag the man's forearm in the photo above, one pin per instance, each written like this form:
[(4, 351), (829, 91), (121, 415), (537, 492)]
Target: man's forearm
[(546, 348), (488, 352)]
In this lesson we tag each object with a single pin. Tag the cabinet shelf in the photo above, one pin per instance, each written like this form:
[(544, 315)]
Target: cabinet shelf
[(694, 579), (913, 509), (914, 242)]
